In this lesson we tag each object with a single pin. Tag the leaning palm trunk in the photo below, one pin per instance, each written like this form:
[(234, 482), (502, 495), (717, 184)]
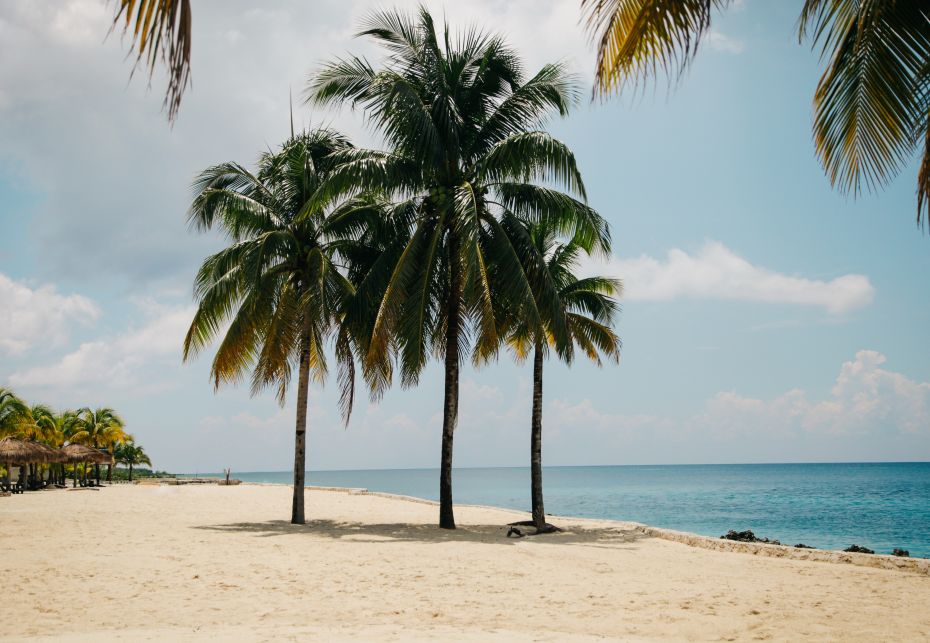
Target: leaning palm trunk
[(451, 402), (300, 438), (539, 511)]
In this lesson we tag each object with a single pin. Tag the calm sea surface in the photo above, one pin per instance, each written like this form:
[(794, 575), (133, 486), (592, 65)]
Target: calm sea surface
[(829, 506)]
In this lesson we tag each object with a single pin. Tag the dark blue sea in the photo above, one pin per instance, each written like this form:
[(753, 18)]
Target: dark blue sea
[(829, 506)]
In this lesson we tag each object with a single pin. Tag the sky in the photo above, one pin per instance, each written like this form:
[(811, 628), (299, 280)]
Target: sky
[(766, 317)]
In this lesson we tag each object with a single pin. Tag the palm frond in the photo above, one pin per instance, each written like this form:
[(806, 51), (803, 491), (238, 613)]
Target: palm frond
[(636, 39), (870, 100), (532, 156), (160, 32)]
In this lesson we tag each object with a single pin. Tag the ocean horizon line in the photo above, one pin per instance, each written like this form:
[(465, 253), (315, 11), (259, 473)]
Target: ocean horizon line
[(571, 466)]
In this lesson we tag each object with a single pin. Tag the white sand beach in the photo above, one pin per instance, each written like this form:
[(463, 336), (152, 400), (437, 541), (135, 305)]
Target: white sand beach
[(159, 563)]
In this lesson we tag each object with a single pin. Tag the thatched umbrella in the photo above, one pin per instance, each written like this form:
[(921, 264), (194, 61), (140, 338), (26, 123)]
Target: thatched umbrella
[(18, 452), (77, 453), (84, 453), (53, 455)]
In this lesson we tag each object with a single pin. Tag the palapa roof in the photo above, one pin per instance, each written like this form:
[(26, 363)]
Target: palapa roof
[(14, 451), (84, 453), (52, 454)]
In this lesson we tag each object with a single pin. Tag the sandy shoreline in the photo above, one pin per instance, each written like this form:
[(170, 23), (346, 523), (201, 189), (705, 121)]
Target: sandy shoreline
[(209, 562)]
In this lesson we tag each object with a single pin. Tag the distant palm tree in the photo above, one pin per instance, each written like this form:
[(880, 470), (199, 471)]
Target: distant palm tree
[(101, 427), (130, 454), (589, 308), (871, 107), (40, 425), (160, 31), (57, 429), (466, 158), (279, 284), (13, 413), (49, 427)]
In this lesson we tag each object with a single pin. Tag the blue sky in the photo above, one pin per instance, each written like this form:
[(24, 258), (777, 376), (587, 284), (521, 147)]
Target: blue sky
[(767, 317)]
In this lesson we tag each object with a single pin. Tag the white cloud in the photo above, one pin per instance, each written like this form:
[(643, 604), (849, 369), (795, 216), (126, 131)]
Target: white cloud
[(716, 272), (120, 361), (721, 42), (870, 412), (59, 114), (32, 316), (866, 395)]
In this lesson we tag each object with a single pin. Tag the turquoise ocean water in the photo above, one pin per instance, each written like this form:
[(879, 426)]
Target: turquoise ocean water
[(829, 506)]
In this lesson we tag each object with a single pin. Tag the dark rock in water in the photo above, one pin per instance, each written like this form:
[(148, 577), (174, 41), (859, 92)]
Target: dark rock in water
[(803, 546), (858, 549), (747, 537), (903, 553)]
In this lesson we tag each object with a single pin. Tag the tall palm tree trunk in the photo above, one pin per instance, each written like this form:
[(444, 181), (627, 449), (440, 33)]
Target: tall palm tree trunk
[(130, 471), (300, 438), (539, 512), (110, 471), (451, 401)]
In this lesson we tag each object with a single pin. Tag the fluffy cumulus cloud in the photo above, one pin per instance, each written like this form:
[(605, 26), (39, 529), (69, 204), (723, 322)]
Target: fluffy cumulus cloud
[(870, 413), (716, 272), (32, 316), (118, 362)]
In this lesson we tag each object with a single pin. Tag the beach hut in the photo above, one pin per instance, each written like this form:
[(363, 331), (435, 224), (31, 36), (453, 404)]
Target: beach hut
[(18, 452)]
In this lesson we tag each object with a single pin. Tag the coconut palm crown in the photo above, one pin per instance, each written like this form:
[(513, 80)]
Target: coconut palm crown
[(466, 160)]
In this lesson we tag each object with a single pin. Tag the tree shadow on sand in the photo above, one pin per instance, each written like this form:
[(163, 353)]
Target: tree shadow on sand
[(428, 533)]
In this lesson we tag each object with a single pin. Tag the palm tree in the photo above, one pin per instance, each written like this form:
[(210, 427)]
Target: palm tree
[(160, 32), (589, 308), (13, 412), (48, 427), (130, 454), (56, 428), (279, 283), (871, 106), (101, 427), (466, 158)]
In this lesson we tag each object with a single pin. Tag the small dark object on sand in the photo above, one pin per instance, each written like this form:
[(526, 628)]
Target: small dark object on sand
[(747, 537), (547, 529), (803, 546), (513, 532), (903, 553), (859, 549)]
